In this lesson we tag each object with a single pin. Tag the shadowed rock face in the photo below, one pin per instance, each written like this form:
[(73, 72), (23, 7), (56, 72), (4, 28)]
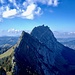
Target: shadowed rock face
[(39, 53), (62, 55), (30, 52), (45, 35)]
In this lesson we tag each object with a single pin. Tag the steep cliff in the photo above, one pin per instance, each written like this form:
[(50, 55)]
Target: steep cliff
[(33, 57), (63, 56), (39, 53)]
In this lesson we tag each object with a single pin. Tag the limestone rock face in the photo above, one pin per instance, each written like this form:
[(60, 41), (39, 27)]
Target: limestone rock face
[(44, 35), (62, 54), (39, 53), (31, 53)]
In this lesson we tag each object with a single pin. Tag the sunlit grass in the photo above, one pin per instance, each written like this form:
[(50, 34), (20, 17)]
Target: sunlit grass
[(7, 53)]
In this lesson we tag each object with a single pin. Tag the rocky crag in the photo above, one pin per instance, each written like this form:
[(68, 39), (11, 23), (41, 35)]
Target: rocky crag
[(39, 53)]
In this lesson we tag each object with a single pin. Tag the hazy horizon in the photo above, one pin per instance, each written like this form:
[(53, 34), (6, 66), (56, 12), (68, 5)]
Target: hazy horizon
[(16, 16)]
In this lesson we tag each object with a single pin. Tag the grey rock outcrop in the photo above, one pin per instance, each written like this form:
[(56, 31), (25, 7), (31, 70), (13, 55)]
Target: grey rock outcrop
[(31, 53), (62, 54), (39, 53)]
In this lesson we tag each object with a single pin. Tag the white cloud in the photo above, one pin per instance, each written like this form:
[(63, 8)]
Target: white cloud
[(10, 32), (64, 34), (31, 16), (9, 13), (13, 31), (38, 12), (25, 4), (46, 2), (28, 9), (50, 2), (55, 2), (71, 33), (14, 3), (29, 13)]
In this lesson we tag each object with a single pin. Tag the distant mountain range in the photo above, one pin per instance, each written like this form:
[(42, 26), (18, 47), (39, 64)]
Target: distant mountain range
[(38, 53), (6, 42), (60, 34), (15, 32), (69, 42)]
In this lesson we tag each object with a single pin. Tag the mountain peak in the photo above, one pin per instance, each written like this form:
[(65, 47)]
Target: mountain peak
[(40, 52), (30, 52), (42, 30), (23, 32), (45, 35)]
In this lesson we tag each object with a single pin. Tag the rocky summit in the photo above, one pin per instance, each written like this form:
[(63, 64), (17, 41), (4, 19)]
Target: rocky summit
[(39, 53)]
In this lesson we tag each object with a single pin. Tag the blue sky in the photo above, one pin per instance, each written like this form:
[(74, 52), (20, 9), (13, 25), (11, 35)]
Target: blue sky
[(17, 15)]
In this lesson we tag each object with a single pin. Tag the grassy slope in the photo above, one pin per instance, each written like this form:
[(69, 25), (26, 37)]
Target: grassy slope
[(7, 53), (5, 60)]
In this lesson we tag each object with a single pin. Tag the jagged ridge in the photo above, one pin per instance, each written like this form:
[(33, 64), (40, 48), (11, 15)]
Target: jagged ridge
[(30, 52), (41, 51)]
